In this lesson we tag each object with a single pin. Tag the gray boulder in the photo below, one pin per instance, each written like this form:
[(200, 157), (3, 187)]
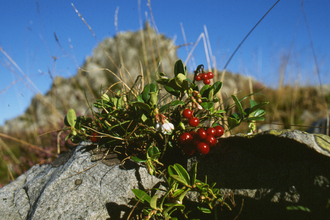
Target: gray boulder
[(63, 190), (267, 173)]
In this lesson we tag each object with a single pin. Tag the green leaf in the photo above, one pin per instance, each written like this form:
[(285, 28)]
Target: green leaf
[(153, 99), (179, 79), (296, 208), (139, 98), (153, 202), (255, 119), (164, 107), (153, 151), (141, 195), (171, 170), (136, 159), (181, 197), (143, 106), (145, 93), (253, 103), (238, 104), (105, 98), (205, 90), (153, 87), (177, 102), (171, 90), (70, 118), (233, 122), (182, 172), (207, 105), (220, 112), (217, 86), (180, 180), (114, 100), (179, 68), (259, 112), (144, 117), (194, 174), (204, 210), (260, 105)]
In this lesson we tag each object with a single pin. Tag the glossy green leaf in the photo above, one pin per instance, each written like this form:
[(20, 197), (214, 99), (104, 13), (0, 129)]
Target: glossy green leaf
[(153, 99), (144, 117), (238, 105), (258, 106), (169, 89), (179, 67), (70, 118), (145, 93), (253, 103), (182, 195), (217, 86), (207, 105), (205, 90), (114, 101), (233, 122), (204, 210), (256, 119), (179, 79), (105, 98), (180, 180), (153, 201), (152, 151), (136, 159), (139, 98), (182, 172), (141, 195), (143, 106), (193, 174)]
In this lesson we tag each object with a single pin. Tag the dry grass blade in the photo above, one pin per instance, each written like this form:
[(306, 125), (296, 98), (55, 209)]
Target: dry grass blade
[(26, 143)]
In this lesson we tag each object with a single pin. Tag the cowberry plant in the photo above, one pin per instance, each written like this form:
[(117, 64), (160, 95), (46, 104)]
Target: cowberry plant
[(171, 116)]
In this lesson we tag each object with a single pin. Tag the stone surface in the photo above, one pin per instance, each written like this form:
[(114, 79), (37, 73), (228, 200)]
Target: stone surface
[(267, 172), (55, 192), (273, 170)]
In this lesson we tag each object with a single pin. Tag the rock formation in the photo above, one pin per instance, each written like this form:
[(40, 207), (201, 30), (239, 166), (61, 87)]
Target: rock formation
[(268, 173)]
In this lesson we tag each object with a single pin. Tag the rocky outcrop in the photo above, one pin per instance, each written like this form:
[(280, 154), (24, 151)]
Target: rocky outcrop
[(73, 187), (126, 56), (268, 173)]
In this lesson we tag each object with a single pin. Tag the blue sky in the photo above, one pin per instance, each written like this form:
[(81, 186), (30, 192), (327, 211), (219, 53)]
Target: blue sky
[(27, 36)]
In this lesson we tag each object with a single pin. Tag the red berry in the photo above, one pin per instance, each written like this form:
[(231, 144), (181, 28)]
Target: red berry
[(211, 140), (198, 78), (207, 81), (93, 137), (185, 138), (204, 76), (210, 75), (187, 113), (193, 121), (210, 131), (203, 148), (218, 131), (201, 133)]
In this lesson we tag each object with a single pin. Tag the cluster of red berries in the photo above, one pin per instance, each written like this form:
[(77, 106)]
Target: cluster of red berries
[(206, 77), (201, 140), (193, 121)]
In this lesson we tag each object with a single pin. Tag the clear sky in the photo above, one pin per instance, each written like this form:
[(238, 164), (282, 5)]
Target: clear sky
[(28, 27)]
